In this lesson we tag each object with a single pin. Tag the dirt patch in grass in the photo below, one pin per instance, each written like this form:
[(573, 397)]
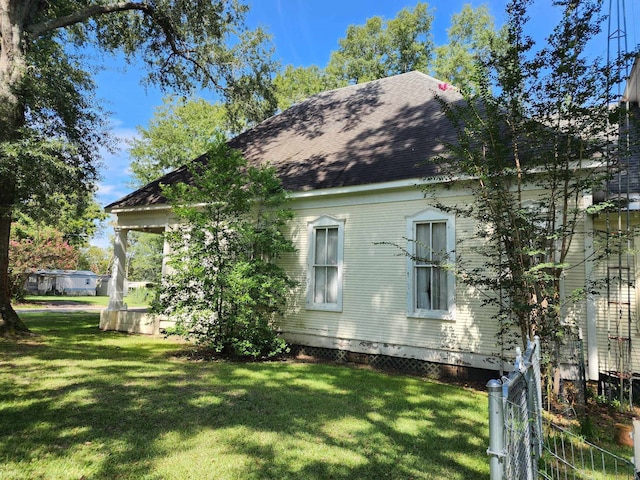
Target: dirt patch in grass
[(604, 419), (45, 303)]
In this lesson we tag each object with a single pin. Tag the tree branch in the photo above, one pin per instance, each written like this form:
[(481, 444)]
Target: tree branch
[(172, 37), (86, 13)]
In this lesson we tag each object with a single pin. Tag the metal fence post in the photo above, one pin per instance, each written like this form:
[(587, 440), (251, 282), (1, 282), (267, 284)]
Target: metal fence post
[(496, 430), (636, 448), (536, 407)]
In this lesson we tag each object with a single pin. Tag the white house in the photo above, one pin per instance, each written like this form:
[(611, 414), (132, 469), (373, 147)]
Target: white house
[(351, 159), (62, 282)]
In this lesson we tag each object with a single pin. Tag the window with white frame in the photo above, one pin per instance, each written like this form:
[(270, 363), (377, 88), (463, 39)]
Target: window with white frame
[(431, 285), (325, 263)]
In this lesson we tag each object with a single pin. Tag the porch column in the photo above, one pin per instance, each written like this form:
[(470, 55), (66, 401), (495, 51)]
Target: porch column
[(118, 274), (166, 250)]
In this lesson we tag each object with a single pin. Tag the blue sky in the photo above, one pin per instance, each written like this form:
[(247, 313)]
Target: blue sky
[(305, 32)]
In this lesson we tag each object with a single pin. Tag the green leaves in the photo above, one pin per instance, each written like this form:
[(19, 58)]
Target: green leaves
[(381, 48), (180, 130), (295, 84), (530, 134), (145, 256), (226, 289), (472, 37)]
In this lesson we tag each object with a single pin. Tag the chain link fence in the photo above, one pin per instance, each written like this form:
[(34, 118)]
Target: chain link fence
[(521, 449), (515, 418), (568, 456)]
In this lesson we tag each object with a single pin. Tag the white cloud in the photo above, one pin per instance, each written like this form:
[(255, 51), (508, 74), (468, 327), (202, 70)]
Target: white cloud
[(109, 190), (105, 189), (115, 172)]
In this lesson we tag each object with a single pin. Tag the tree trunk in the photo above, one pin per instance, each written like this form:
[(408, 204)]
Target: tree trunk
[(10, 323), (12, 72)]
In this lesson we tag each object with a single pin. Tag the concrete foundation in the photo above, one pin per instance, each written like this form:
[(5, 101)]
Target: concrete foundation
[(133, 321)]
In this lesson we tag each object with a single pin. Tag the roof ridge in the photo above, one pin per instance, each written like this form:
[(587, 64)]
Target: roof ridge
[(390, 78)]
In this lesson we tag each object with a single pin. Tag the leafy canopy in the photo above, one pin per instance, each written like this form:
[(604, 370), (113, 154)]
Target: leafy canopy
[(472, 37), (96, 259), (181, 129), (145, 256), (383, 47), (294, 84)]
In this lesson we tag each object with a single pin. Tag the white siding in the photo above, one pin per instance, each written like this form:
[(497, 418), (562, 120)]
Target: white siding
[(616, 306), (374, 311), (374, 314)]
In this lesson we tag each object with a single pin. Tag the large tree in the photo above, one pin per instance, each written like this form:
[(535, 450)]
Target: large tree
[(50, 126), (294, 84), (145, 257), (180, 130), (381, 48), (472, 37), (97, 259)]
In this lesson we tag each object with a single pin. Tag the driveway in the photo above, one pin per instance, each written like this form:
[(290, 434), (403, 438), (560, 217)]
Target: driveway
[(62, 306)]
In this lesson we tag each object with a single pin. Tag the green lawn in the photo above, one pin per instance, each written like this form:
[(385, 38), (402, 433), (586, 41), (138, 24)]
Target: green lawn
[(76, 403), (137, 298), (36, 301)]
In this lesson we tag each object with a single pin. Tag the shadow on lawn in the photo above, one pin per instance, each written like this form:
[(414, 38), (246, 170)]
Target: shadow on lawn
[(118, 404)]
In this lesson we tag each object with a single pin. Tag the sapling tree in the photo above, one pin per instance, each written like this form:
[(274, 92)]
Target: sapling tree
[(531, 142), (225, 288)]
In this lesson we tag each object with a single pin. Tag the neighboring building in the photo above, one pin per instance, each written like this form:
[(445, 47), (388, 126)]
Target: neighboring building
[(62, 282), (351, 159), (103, 285)]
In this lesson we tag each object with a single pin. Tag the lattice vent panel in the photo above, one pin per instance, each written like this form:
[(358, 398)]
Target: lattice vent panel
[(383, 362)]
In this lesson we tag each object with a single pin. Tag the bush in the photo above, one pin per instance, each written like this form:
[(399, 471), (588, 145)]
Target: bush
[(226, 290)]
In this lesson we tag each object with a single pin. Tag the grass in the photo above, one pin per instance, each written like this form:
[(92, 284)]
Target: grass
[(584, 460), (79, 403), (136, 298), (37, 301)]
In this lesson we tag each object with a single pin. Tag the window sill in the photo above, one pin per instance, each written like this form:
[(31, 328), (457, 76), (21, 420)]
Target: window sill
[(426, 315), (324, 308)]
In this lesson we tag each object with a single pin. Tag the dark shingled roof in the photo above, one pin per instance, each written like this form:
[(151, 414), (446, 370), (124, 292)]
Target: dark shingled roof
[(373, 132)]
